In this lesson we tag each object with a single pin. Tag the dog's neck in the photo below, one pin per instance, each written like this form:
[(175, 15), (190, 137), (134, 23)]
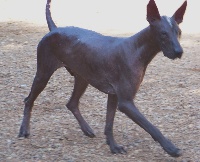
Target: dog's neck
[(144, 46)]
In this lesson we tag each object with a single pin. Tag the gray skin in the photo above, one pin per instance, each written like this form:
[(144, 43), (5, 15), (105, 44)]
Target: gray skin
[(113, 65)]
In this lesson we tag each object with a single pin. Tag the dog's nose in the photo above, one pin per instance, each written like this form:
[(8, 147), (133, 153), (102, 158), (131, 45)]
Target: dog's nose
[(179, 52)]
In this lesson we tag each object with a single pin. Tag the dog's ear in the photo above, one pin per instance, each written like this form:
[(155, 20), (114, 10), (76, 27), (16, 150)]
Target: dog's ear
[(178, 15), (152, 12)]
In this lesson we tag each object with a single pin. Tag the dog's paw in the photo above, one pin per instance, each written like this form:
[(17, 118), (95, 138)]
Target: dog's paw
[(89, 133), (87, 130), (116, 149), (171, 149), (23, 133), (175, 152)]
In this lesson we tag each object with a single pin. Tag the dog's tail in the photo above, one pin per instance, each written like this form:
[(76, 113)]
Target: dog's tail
[(49, 19)]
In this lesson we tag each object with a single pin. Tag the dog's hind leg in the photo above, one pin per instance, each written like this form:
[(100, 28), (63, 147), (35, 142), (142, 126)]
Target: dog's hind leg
[(80, 86), (46, 65)]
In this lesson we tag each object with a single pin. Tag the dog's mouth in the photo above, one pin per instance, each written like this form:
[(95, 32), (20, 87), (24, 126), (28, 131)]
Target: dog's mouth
[(174, 55)]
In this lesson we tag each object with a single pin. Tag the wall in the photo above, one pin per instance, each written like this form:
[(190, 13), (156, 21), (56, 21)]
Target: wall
[(110, 15)]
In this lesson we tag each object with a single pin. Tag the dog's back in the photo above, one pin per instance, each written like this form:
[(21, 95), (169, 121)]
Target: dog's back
[(86, 53)]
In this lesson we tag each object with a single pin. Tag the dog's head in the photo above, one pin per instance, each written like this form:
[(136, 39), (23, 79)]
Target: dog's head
[(166, 29)]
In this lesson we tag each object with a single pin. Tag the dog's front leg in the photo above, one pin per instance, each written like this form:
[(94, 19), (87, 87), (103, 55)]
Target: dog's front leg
[(133, 113), (111, 109)]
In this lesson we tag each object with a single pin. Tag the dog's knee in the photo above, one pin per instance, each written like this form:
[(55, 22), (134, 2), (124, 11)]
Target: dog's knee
[(72, 105), (124, 106)]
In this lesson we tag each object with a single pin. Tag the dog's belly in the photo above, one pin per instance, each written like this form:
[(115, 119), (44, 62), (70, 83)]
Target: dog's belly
[(97, 78), (89, 55), (107, 89), (96, 75), (103, 86)]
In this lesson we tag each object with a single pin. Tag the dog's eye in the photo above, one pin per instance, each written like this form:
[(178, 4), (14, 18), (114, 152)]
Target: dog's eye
[(164, 34), (180, 32)]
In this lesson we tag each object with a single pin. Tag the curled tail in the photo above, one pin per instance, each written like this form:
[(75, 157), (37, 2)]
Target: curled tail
[(49, 19)]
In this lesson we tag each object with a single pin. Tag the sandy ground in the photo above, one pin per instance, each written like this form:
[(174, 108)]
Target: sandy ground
[(169, 97)]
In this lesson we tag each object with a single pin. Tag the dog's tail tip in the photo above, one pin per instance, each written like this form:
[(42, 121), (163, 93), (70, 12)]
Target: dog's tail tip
[(50, 22)]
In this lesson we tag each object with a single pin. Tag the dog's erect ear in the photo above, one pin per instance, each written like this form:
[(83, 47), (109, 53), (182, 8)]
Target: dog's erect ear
[(152, 12), (178, 15)]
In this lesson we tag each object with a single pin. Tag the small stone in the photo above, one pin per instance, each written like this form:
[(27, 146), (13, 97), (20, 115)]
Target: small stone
[(23, 85), (26, 42)]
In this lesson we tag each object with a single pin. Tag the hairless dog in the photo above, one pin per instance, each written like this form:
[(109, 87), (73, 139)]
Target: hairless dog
[(113, 65)]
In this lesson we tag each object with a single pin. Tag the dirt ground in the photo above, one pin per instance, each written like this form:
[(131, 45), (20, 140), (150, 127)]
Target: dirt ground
[(169, 97)]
